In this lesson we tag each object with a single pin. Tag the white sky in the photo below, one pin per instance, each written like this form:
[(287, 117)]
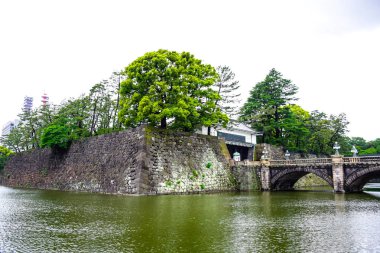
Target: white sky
[(329, 48)]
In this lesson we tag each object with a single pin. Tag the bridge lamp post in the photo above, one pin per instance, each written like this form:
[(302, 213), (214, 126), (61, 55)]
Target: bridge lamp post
[(354, 151), (336, 147), (287, 155), (265, 153)]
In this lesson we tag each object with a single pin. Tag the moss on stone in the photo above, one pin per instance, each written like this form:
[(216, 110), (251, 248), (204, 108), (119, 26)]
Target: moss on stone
[(224, 149), (232, 180), (148, 134), (256, 182)]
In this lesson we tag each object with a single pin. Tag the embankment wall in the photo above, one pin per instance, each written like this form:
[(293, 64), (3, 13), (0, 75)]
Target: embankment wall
[(137, 161)]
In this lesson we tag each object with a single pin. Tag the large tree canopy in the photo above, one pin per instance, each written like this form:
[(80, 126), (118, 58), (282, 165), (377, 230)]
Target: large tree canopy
[(170, 89), (263, 108), (269, 109)]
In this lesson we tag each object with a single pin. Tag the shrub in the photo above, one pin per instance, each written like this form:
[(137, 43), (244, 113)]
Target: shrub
[(4, 153), (56, 137)]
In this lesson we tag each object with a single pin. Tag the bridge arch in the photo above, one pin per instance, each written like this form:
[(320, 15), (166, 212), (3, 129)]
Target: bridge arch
[(285, 179), (356, 180)]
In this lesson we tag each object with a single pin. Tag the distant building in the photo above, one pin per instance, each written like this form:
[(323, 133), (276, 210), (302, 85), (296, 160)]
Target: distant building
[(8, 127), (28, 104), (44, 99), (238, 137)]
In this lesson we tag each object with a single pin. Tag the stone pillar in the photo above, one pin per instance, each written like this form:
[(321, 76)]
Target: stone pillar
[(265, 175), (250, 154), (338, 173)]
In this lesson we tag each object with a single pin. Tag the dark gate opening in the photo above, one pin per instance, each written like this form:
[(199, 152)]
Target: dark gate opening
[(246, 153)]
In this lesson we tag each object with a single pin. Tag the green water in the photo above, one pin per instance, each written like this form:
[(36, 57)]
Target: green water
[(305, 221)]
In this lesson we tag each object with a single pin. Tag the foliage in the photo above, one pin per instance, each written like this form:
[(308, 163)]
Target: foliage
[(170, 89), (195, 173), (263, 109), (56, 136), (325, 131), (268, 110), (4, 153), (209, 165), (364, 147), (294, 128), (88, 115), (168, 183), (15, 140), (176, 90), (227, 87)]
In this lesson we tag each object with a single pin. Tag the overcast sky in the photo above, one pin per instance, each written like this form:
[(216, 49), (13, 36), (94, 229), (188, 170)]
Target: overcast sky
[(329, 48)]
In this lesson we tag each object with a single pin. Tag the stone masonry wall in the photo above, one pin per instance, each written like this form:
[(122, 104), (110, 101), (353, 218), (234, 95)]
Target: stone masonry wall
[(278, 153), (137, 161), (107, 163), (247, 177), (186, 163)]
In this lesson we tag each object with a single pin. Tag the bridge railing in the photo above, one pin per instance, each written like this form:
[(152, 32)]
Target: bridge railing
[(314, 161), (362, 159)]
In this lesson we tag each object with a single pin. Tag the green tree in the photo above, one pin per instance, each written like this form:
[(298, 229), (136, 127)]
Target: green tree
[(325, 131), (376, 144), (29, 125), (14, 140), (4, 153), (56, 136), (359, 142), (76, 114), (294, 128), (263, 107), (227, 87), (364, 147), (92, 114), (170, 89), (368, 151), (115, 81)]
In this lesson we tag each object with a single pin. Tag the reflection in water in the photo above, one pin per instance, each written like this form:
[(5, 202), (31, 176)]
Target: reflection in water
[(52, 221)]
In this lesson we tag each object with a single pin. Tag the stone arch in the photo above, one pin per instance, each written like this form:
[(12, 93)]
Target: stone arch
[(285, 179), (355, 181)]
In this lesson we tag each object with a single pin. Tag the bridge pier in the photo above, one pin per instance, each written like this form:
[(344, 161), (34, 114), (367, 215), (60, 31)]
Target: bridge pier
[(265, 175), (338, 173)]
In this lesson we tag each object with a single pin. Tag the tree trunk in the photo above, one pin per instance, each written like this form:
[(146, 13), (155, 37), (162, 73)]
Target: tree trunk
[(276, 119), (163, 123), (117, 105), (93, 119)]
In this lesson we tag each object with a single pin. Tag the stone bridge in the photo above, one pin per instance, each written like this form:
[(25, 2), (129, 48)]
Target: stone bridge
[(343, 174)]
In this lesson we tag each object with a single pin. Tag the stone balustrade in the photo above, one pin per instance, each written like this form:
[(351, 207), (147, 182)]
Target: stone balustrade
[(344, 174)]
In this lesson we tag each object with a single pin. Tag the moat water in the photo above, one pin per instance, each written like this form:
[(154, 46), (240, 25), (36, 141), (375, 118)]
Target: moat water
[(301, 221)]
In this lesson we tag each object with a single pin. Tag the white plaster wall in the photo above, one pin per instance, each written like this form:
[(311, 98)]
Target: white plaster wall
[(248, 137)]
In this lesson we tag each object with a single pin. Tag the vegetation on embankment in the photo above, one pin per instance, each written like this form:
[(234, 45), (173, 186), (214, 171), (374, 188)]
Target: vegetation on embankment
[(310, 180), (4, 153)]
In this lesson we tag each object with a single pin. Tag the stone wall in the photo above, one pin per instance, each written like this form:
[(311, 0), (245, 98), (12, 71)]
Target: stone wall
[(278, 153), (186, 163), (247, 178), (108, 163), (137, 161)]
